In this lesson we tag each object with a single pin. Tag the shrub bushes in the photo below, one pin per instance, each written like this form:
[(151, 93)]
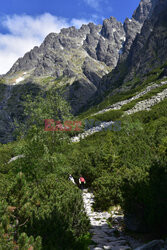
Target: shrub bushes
[(112, 115)]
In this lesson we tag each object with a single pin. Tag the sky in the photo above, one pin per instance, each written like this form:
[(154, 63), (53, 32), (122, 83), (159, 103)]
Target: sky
[(25, 24)]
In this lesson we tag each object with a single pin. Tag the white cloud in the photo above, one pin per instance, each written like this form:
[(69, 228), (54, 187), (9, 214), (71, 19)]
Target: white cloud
[(99, 5), (38, 26), (25, 32), (78, 22), (93, 3)]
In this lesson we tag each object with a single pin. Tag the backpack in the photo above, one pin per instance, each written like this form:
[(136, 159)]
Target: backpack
[(82, 179)]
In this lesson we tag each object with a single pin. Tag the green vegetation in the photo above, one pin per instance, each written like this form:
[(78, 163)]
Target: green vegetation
[(49, 81), (108, 102), (2, 88), (112, 115), (136, 81), (2, 81), (128, 167), (40, 208), (16, 102)]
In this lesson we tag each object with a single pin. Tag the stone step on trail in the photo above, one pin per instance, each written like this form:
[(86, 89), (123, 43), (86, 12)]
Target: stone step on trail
[(102, 235), (105, 237)]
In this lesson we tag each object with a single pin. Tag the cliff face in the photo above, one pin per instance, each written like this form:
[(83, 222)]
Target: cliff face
[(58, 55), (146, 50), (149, 49), (144, 10), (133, 26)]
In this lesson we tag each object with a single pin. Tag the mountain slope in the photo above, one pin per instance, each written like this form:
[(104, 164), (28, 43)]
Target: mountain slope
[(75, 56), (75, 61), (147, 52), (150, 47), (133, 26)]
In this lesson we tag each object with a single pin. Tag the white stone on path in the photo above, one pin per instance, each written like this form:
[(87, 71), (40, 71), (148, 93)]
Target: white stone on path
[(102, 126), (102, 235)]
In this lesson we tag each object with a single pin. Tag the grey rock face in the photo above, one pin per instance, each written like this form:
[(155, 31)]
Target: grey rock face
[(79, 93), (144, 10), (150, 47), (113, 37), (101, 43), (145, 51), (90, 72), (83, 55), (104, 42), (87, 53), (133, 26)]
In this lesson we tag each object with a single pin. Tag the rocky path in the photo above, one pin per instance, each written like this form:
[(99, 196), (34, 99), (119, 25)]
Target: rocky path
[(140, 106), (103, 236), (119, 105), (102, 126), (148, 103)]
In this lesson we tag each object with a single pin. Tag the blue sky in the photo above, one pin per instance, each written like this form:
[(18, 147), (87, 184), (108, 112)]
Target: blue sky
[(24, 24)]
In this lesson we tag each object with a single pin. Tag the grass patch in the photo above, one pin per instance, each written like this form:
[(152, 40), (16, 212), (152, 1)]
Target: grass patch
[(112, 115)]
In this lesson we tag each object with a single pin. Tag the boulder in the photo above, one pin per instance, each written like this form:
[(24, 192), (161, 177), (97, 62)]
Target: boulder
[(153, 245)]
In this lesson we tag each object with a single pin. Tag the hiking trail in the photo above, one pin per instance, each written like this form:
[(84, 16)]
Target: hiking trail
[(104, 236)]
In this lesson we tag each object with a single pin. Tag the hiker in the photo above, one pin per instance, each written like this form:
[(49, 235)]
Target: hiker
[(82, 182), (71, 179)]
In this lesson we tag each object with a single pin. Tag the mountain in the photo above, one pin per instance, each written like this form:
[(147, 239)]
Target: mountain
[(150, 46), (83, 56), (146, 53), (74, 59), (133, 26), (86, 63)]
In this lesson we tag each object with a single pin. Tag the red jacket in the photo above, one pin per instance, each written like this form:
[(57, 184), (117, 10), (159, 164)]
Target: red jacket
[(81, 179)]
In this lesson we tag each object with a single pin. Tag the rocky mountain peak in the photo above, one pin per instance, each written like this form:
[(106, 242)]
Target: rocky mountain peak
[(103, 43), (151, 44), (110, 26), (146, 51), (144, 10), (82, 55), (99, 42), (134, 25)]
